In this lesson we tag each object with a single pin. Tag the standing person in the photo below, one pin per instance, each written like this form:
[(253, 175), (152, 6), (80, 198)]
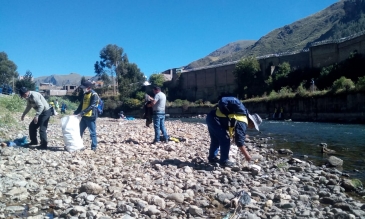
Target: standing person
[(231, 118), (148, 111), (57, 105), (36, 101), (275, 111), (158, 104), (63, 107), (88, 111)]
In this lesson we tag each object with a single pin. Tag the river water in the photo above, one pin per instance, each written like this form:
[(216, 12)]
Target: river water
[(303, 138)]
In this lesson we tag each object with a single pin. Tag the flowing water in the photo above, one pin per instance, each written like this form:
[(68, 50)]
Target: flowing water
[(303, 138)]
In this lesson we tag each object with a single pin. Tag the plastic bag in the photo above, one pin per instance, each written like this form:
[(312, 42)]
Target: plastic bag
[(71, 133)]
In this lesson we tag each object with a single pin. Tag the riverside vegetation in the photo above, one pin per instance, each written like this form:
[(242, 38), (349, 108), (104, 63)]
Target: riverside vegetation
[(130, 178)]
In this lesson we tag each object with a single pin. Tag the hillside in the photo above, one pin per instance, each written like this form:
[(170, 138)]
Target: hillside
[(339, 20), (60, 80), (224, 52)]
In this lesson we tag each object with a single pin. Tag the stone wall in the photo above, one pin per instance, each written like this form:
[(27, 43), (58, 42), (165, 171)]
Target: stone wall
[(343, 108), (209, 82)]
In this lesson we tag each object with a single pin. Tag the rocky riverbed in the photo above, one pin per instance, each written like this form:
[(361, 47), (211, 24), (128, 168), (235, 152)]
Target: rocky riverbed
[(127, 177)]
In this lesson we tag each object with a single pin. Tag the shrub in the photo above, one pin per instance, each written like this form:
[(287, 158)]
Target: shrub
[(361, 83), (343, 83), (140, 95), (110, 105), (130, 103), (285, 91), (12, 103), (301, 91), (273, 94)]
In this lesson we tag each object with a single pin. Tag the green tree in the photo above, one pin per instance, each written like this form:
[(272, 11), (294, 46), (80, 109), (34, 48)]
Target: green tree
[(130, 79), (280, 77), (112, 57), (249, 77), (7, 69), (343, 83), (26, 81), (157, 80)]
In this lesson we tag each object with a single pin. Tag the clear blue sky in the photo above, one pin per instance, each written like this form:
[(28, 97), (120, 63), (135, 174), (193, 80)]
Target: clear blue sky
[(63, 36)]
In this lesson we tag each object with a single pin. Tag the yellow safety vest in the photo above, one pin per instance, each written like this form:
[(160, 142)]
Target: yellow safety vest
[(86, 104), (236, 117)]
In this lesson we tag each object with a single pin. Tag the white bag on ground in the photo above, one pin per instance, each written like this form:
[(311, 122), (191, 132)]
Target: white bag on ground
[(71, 133)]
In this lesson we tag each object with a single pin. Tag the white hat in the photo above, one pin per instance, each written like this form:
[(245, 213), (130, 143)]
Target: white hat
[(256, 119)]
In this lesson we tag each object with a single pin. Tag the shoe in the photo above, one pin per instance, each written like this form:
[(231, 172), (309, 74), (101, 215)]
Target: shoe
[(42, 147), (155, 142), (214, 160), (227, 164), (30, 144), (94, 149)]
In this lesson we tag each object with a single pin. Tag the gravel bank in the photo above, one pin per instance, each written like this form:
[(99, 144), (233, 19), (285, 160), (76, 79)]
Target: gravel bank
[(128, 177)]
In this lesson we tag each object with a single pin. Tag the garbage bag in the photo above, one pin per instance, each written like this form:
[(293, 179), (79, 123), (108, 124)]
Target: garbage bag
[(71, 133)]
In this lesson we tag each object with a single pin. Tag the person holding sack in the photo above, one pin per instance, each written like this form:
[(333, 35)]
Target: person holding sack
[(88, 111), (229, 120), (36, 101)]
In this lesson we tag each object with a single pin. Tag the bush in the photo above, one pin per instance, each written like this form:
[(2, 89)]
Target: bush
[(12, 103), (110, 105), (285, 91), (361, 83), (301, 91), (343, 83), (130, 103), (273, 94), (140, 95)]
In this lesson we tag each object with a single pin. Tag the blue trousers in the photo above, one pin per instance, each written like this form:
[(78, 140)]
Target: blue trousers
[(91, 124), (159, 124), (218, 139)]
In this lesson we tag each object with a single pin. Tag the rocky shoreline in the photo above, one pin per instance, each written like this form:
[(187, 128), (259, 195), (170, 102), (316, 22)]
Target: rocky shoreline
[(128, 177)]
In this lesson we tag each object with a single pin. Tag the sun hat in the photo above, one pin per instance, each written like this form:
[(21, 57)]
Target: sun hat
[(22, 91), (256, 119), (86, 84)]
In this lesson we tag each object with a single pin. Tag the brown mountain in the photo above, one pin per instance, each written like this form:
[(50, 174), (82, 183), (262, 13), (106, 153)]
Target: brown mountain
[(60, 80), (339, 20)]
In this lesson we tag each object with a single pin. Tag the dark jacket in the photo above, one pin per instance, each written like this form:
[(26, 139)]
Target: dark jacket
[(228, 105), (94, 101)]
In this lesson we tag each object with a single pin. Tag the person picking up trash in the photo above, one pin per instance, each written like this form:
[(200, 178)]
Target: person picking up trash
[(88, 111), (229, 120), (36, 101)]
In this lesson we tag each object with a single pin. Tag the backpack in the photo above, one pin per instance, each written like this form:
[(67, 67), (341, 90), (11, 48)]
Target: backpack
[(100, 106)]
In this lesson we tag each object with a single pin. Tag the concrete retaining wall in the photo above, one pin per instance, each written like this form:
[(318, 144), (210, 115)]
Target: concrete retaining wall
[(344, 108), (208, 83)]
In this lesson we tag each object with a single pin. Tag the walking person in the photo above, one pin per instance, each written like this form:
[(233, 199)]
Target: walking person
[(88, 111), (63, 108), (158, 104), (36, 101), (229, 120)]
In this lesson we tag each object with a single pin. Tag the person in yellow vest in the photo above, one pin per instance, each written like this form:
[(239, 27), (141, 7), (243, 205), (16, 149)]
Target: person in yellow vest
[(88, 111), (229, 120), (52, 104)]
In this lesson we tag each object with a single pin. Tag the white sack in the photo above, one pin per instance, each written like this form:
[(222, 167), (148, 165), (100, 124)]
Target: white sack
[(71, 133)]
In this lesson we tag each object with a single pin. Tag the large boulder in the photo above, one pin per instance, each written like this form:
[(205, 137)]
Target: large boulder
[(91, 188), (335, 161)]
